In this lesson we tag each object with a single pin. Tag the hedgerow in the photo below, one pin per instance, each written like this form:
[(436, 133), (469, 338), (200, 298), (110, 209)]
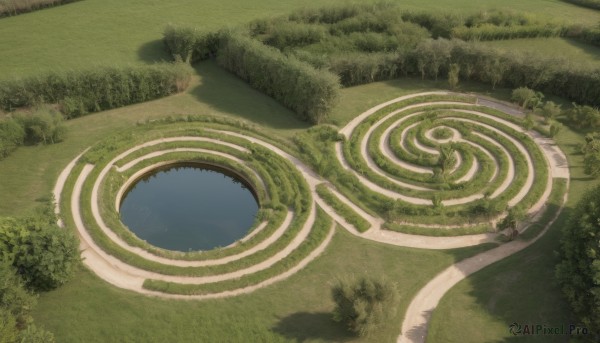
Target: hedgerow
[(14, 7), (297, 85), (83, 91)]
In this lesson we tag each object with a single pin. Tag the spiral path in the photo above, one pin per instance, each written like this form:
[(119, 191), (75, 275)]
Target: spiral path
[(441, 156)]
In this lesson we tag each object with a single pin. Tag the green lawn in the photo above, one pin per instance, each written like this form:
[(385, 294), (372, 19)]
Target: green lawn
[(520, 288), (128, 31), (94, 32), (297, 309), (572, 50)]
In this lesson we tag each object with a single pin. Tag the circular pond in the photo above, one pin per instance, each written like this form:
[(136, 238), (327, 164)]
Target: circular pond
[(189, 207)]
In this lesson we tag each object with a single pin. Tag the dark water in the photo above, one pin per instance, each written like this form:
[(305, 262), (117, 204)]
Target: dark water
[(189, 207)]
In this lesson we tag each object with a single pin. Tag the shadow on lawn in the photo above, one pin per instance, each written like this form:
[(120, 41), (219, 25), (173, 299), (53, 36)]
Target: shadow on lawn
[(516, 289), (227, 93), (302, 326), (153, 51)]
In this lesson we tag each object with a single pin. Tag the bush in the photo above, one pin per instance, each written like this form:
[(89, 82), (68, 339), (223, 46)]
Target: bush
[(98, 89), (12, 135), (363, 305), (13, 297), (42, 126), (43, 254), (579, 269), (584, 117), (298, 86), (522, 96)]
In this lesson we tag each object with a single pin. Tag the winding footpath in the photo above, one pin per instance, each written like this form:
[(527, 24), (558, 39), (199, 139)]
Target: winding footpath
[(416, 319)]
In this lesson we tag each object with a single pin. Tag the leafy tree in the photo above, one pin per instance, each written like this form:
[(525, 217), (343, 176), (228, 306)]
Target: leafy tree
[(43, 254), (591, 154), (494, 71), (453, 75), (363, 305), (13, 296), (579, 269)]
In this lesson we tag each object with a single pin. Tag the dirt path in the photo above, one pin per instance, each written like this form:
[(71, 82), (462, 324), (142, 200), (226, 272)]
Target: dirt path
[(418, 314), (122, 275)]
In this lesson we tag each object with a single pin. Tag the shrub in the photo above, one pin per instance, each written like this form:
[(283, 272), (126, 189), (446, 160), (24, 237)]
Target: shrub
[(43, 254), (584, 117), (13, 297), (42, 126), (12, 135), (298, 86), (97, 89), (522, 96), (363, 305), (550, 110), (579, 269)]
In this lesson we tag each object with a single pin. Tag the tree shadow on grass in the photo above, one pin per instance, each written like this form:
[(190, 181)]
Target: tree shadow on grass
[(153, 51), (516, 289), (227, 93), (419, 333), (303, 326)]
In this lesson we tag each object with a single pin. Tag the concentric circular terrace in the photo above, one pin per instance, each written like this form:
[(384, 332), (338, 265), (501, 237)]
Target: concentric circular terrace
[(394, 151)]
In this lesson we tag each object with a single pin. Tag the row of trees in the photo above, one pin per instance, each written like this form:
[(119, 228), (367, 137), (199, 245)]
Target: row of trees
[(309, 92), (83, 91), (43, 126)]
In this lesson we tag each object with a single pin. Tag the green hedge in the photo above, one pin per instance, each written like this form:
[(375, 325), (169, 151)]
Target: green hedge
[(190, 44), (344, 210), (92, 90), (309, 92), (14, 7)]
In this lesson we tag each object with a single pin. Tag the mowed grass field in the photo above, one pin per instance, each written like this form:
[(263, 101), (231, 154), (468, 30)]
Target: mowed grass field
[(128, 31), (87, 309), (574, 51)]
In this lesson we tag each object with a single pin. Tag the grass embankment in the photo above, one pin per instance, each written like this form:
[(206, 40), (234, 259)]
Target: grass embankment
[(517, 288)]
